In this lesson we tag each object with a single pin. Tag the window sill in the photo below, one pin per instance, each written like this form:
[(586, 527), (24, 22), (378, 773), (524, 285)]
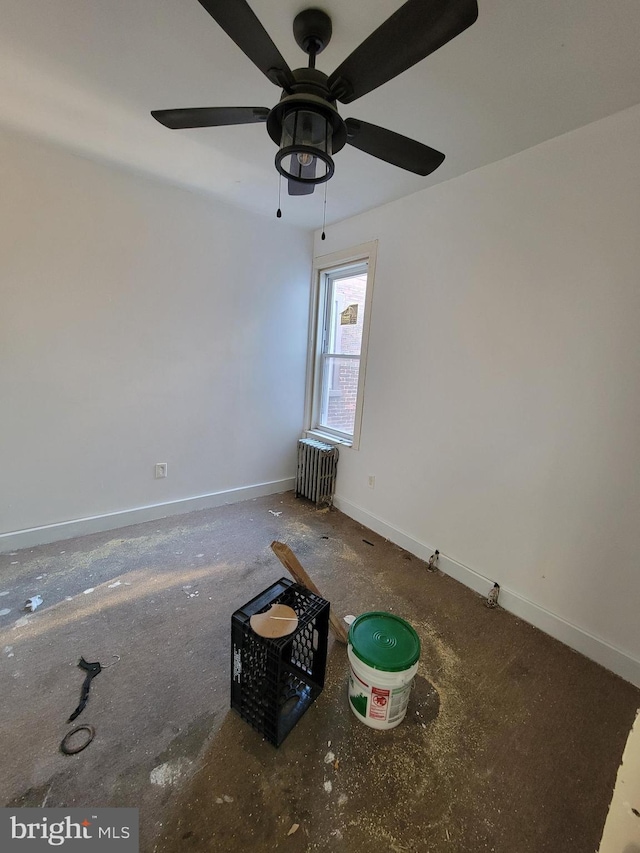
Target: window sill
[(329, 439)]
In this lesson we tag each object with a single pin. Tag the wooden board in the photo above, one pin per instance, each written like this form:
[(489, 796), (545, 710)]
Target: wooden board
[(295, 569)]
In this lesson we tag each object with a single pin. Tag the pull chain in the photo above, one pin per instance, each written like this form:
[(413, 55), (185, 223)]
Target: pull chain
[(324, 210), (279, 212)]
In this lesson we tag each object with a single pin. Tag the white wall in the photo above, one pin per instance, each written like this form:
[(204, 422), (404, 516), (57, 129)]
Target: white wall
[(502, 401), (139, 323)]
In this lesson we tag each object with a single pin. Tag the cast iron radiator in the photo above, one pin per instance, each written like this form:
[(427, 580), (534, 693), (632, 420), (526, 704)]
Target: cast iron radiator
[(317, 467)]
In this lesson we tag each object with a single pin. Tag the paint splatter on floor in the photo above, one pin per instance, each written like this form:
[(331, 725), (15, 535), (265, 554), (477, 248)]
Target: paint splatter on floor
[(168, 774)]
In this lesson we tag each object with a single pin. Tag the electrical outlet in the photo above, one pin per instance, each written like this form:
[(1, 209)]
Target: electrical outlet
[(161, 470), (372, 481)]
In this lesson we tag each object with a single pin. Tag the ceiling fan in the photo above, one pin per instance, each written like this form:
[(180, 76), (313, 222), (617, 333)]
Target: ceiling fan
[(305, 124)]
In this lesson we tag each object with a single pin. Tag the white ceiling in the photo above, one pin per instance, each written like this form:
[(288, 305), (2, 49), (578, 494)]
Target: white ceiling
[(86, 73)]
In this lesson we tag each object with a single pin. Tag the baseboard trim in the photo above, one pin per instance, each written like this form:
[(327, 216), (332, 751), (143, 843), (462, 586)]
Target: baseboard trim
[(32, 536), (612, 658)]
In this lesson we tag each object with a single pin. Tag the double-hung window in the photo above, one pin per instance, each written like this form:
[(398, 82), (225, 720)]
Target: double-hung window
[(339, 335)]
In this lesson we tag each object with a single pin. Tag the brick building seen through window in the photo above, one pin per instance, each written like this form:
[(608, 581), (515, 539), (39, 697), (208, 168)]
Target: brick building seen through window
[(344, 332)]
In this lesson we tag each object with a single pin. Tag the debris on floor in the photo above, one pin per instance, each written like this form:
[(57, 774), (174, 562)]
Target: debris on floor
[(190, 594), (294, 828), (492, 598), (432, 562), (32, 603), (92, 669), (366, 542), (171, 772), (66, 746), (349, 619), (277, 514), (328, 787), (186, 589)]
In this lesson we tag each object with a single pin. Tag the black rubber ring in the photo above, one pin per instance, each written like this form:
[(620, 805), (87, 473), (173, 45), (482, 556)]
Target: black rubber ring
[(68, 750)]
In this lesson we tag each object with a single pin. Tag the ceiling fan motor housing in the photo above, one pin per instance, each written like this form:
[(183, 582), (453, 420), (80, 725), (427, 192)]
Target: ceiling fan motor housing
[(312, 30)]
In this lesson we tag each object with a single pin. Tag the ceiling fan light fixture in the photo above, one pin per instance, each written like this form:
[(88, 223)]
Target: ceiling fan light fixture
[(305, 148)]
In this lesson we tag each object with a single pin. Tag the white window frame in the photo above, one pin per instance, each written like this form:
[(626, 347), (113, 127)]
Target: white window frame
[(323, 267)]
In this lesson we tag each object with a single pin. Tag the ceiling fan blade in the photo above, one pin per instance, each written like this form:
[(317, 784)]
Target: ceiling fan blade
[(240, 23), (209, 116), (413, 32), (392, 147)]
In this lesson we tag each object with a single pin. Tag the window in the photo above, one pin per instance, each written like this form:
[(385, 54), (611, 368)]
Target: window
[(339, 333)]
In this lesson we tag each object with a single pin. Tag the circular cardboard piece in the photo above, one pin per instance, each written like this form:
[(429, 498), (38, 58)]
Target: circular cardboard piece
[(278, 621)]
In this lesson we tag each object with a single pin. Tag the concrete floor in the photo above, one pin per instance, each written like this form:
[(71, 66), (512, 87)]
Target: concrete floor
[(511, 743)]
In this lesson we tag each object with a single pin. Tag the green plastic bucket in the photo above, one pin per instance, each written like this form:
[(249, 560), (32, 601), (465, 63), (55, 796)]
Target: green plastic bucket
[(383, 652)]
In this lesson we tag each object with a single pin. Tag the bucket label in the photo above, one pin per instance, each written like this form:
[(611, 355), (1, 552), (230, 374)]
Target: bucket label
[(379, 706), (358, 695), (378, 703), (399, 702)]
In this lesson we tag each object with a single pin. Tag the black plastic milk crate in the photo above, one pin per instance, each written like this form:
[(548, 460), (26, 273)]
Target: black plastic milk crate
[(274, 681)]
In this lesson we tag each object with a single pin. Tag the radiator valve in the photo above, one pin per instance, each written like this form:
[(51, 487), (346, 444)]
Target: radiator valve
[(432, 564)]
